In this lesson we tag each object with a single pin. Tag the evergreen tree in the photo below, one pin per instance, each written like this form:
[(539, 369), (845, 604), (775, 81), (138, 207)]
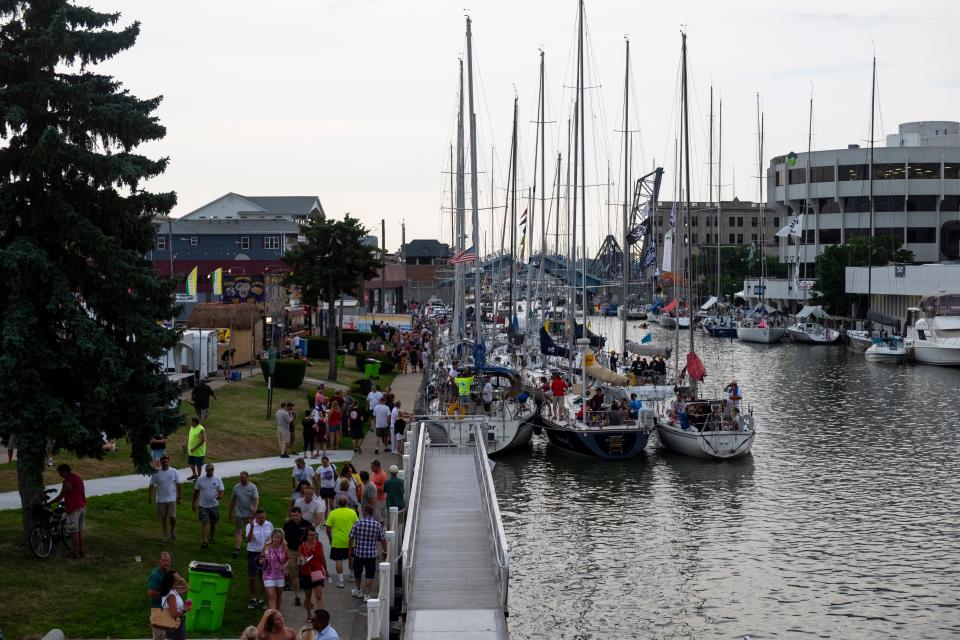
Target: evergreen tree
[(831, 283), (80, 309), (333, 261)]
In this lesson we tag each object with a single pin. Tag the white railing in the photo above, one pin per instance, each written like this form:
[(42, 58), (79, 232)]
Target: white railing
[(489, 495), (415, 479)]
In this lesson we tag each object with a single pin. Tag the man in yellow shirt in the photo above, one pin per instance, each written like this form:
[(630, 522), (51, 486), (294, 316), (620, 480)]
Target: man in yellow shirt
[(196, 447), (339, 523)]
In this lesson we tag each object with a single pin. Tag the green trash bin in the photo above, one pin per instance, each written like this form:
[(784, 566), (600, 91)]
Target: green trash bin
[(209, 583), (371, 370), (341, 361)]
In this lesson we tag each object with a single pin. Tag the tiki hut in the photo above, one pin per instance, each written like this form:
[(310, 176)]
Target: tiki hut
[(243, 324)]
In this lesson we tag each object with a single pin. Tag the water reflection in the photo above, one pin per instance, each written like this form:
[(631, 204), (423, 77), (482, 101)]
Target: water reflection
[(842, 524)]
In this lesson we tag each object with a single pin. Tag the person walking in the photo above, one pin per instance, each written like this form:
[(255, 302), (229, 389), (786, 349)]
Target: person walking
[(154, 586), (175, 604), (368, 493), (295, 532), (158, 449), (356, 428), (321, 626), (334, 424), (302, 472), (196, 448), (378, 477), (373, 399), (244, 502), (200, 397), (167, 482), (365, 535), (326, 477), (208, 490), (308, 424), (284, 420), (338, 525), (73, 494), (347, 491), (258, 534), (313, 570), (381, 422), (393, 488), (398, 426), (273, 561), (311, 507)]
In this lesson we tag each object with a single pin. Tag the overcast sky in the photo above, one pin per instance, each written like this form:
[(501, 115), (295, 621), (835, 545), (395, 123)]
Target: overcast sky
[(354, 101)]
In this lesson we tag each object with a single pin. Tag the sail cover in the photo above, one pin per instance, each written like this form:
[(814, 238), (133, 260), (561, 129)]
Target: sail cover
[(879, 318), (671, 306), (595, 340), (709, 303), (812, 311), (549, 348), (695, 368), (647, 349)]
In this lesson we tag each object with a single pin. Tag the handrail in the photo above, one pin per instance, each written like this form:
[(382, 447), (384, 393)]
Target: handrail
[(408, 547), (489, 495)]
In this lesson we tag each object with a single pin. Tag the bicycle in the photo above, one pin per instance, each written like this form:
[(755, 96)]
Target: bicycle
[(52, 528)]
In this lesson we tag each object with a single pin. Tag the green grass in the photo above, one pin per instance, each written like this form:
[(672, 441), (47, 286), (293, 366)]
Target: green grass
[(104, 594), (237, 429), (346, 375)]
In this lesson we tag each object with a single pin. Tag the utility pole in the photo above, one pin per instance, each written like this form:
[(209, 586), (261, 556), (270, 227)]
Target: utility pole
[(383, 271)]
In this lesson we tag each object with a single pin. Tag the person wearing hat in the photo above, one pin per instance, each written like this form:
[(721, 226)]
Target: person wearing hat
[(733, 393), (393, 487)]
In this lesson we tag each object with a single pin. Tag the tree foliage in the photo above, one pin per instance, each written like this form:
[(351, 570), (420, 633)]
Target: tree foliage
[(856, 252), (333, 261), (735, 267), (81, 307)]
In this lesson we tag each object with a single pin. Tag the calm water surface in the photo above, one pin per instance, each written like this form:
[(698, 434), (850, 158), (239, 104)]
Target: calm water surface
[(843, 523)]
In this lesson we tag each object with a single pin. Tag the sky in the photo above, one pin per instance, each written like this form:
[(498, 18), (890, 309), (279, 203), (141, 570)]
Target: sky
[(354, 101)]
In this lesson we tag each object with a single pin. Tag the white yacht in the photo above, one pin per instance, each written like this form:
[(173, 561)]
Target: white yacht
[(812, 333), (935, 337), (701, 431), (749, 330), (890, 349)]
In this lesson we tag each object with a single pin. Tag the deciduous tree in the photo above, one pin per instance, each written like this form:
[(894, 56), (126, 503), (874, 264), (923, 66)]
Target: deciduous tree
[(856, 252)]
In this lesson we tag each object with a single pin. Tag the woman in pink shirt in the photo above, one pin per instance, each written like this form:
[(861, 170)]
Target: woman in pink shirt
[(273, 559)]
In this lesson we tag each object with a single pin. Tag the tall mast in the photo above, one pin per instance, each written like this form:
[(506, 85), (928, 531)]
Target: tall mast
[(531, 220), (719, 186), (626, 186), (474, 204), (686, 218), (763, 263), (513, 214), (453, 204), (460, 311), (873, 92), (710, 167), (806, 203), (543, 182), (583, 187)]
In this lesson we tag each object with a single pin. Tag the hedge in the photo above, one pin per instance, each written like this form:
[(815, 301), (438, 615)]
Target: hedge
[(288, 373), (356, 337), (317, 347), (387, 363)]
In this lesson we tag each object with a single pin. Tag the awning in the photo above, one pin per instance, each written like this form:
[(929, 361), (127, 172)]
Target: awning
[(709, 303), (812, 311)]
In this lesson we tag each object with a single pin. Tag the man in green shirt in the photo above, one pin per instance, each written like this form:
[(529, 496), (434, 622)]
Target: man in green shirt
[(196, 447), (394, 490), (339, 523), (153, 588)]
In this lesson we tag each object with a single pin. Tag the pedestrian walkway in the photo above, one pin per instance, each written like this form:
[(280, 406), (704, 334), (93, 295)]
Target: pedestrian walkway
[(132, 482)]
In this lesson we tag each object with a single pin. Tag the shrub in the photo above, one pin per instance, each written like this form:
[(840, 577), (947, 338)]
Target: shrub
[(356, 337), (386, 362), (288, 373), (318, 347)]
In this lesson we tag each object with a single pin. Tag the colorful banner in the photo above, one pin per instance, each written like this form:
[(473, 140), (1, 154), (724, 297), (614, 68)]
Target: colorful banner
[(217, 280), (192, 283), (238, 289)]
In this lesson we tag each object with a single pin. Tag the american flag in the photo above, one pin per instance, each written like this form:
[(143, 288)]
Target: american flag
[(467, 255)]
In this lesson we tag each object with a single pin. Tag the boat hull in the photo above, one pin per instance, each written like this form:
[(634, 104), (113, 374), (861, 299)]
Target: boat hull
[(715, 445), (667, 322), (804, 337), (859, 342), (874, 354), (598, 443), (763, 335), (936, 354), (721, 332), (522, 435)]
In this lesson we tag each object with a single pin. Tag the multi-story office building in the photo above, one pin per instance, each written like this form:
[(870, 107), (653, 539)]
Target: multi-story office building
[(916, 193)]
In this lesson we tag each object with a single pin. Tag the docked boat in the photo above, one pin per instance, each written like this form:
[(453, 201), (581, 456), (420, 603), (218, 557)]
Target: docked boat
[(667, 321), (859, 340), (891, 349), (593, 433), (700, 430), (719, 326), (812, 333), (935, 337), (759, 331)]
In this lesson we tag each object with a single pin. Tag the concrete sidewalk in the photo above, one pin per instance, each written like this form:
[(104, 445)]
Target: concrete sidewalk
[(132, 482)]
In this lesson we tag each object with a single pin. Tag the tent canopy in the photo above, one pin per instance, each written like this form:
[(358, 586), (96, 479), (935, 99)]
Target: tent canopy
[(709, 303), (762, 309), (810, 311)]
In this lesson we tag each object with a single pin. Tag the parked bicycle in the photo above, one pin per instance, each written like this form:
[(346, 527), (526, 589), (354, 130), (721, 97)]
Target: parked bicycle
[(51, 528)]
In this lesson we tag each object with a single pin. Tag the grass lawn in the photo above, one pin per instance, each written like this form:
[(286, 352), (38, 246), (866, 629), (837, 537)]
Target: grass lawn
[(237, 428), (104, 594), (345, 375)]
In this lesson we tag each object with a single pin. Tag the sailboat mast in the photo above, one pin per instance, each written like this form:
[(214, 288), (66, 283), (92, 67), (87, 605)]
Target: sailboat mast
[(873, 93), (686, 170), (710, 164), (626, 186), (806, 203), (460, 312), (453, 203), (583, 187), (513, 214), (543, 184), (719, 186), (763, 263), (474, 195)]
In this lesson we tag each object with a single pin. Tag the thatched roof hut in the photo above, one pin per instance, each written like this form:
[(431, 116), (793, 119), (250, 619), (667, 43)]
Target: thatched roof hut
[(224, 316)]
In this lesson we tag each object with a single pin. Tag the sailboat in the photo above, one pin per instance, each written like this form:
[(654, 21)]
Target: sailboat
[(697, 427)]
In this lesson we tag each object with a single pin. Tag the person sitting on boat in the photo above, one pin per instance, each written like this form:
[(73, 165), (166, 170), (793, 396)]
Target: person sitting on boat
[(682, 413), (736, 424), (614, 414), (635, 406)]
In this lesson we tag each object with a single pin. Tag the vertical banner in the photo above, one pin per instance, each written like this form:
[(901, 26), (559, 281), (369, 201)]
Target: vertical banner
[(192, 283), (668, 251)]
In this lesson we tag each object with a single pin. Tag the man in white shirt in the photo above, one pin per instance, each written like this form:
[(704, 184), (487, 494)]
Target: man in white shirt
[(258, 534), (373, 399), (487, 395), (284, 420), (381, 424), (209, 491), (167, 482), (311, 507)]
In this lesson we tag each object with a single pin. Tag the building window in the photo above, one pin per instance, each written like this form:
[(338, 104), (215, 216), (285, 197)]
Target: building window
[(798, 176), (889, 171), (829, 236), (161, 243), (193, 241), (924, 170), (739, 238), (921, 235), (821, 174), (693, 238), (753, 237), (888, 203), (779, 175), (694, 221), (951, 171), (753, 221), (740, 221), (271, 242), (950, 203), (733, 238), (856, 203), (659, 238), (244, 242), (922, 203), (733, 222), (709, 221), (895, 232), (776, 221), (853, 172)]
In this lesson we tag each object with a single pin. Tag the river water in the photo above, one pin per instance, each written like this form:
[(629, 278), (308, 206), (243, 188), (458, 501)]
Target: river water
[(843, 523)]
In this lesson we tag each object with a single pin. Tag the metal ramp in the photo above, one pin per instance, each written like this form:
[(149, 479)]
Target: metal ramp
[(456, 567)]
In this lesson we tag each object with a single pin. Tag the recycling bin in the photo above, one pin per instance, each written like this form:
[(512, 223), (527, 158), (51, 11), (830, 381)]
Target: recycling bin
[(371, 370), (341, 361), (209, 583)]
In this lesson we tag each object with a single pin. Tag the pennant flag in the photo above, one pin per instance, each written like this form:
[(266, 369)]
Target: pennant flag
[(650, 257), (793, 227), (636, 233), (192, 283), (668, 251), (467, 255), (217, 279), (523, 244), (647, 338), (523, 218)]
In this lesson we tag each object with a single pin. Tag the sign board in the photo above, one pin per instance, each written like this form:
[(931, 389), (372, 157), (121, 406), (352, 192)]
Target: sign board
[(900, 271), (186, 297), (759, 289), (271, 360)]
